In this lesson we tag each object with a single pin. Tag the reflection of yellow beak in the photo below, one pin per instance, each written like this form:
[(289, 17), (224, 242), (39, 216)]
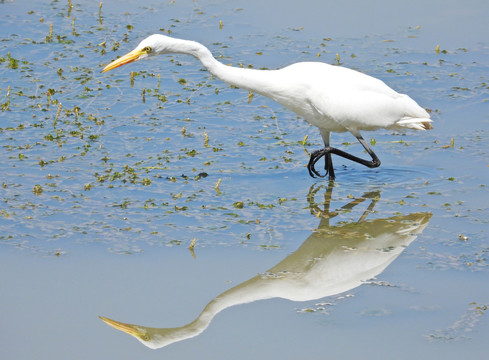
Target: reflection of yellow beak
[(127, 328), (126, 59)]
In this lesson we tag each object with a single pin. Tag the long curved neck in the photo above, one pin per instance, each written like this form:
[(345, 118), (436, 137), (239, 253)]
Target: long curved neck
[(259, 81)]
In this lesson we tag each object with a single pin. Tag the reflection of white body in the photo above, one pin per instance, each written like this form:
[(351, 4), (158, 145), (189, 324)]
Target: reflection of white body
[(330, 261)]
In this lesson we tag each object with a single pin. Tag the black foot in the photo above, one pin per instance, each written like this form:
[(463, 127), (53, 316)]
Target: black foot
[(327, 151), (315, 156)]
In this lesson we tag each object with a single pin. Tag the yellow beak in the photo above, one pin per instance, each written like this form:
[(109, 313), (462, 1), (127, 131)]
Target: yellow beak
[(127, 328), (126, 59)]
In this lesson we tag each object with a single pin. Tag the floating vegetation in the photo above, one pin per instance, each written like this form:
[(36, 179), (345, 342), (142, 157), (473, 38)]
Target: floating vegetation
[(238, 204), (119, 139), (250, 97), (216, 186), (37, 189), (461, 328), (100, 13), (463, 237), (5, 106), (168, 159), (192, 244), (49, 38), (57, 115)]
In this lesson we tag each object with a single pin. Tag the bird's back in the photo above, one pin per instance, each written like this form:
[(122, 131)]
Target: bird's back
[(335, 98)]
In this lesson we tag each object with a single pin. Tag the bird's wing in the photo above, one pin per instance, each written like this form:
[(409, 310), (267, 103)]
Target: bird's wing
[(334, 98), (367, 107)]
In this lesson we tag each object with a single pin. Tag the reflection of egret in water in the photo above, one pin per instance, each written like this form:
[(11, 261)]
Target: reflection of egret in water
[(332, 260)]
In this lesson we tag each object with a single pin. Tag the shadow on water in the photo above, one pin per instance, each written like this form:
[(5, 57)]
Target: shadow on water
[(333, 259)]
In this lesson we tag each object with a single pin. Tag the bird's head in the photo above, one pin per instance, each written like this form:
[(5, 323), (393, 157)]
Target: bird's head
[(155, 338), (152, 45)]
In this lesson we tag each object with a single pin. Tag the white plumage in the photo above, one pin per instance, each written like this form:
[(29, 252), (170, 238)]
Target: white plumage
[(332, 98)]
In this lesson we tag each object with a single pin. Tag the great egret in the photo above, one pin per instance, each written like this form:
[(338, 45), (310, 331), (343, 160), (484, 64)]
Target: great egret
[(332, 98)]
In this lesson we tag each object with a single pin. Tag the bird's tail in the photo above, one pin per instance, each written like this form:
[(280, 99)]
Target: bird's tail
[(415, 123)]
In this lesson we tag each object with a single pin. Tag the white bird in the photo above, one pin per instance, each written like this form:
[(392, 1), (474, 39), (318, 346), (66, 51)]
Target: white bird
[(332, 98)]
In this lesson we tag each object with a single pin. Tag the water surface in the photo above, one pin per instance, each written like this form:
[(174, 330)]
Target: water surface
[(106, 183)]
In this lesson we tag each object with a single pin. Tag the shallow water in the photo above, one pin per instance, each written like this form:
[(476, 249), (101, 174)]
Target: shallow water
[(103, 194)]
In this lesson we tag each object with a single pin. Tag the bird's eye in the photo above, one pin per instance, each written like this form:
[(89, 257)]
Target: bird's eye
[(147, 49)]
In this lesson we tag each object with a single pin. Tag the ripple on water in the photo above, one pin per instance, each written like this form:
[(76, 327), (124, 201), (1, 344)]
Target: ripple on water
[(392, 177)]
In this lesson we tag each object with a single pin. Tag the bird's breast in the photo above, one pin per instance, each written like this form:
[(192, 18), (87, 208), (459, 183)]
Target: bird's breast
[(305, 107)]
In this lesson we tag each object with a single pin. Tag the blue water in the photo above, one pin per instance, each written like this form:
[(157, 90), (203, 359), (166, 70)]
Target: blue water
[(101, 201)]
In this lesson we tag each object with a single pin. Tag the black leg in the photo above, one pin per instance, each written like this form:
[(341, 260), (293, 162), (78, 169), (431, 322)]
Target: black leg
[(328, 166), (327, 151)]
